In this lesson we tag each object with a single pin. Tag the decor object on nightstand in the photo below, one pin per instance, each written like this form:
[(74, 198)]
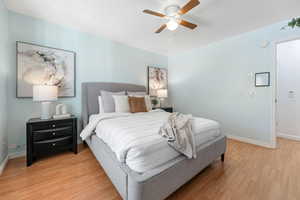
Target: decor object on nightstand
[(50, 136), (61, 111), (162, 94), (45, 94), (154, 102), (262, 79)]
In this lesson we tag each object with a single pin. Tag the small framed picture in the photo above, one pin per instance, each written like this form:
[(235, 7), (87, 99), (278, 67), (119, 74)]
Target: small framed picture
[(262, 79)]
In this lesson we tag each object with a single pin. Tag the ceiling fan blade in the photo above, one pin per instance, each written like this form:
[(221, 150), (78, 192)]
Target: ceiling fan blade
[(161, 28), (189, 6), (187, 24), (150, 12)]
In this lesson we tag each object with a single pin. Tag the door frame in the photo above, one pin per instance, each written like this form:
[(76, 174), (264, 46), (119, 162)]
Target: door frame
[(275, 88)]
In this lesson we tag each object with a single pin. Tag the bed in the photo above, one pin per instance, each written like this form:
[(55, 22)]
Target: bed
[(155, 183)]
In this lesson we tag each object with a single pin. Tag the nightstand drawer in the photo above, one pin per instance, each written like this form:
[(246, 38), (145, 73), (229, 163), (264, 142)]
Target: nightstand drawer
[(52, 133), (53, 145), (51, 125)]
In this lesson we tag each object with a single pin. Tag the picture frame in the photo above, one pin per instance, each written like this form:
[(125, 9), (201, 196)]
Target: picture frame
[(157, 79), (262, 79), (43, 65)]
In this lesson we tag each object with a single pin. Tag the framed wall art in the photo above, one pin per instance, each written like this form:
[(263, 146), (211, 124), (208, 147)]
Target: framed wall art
[(157, 80), (41, 65)]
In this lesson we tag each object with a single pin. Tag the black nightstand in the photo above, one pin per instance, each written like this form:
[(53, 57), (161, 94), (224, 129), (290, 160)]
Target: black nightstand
[(45, 137), (167, 109)]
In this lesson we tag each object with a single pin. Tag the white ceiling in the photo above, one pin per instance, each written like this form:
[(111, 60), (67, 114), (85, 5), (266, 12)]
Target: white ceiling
[(123, 20)]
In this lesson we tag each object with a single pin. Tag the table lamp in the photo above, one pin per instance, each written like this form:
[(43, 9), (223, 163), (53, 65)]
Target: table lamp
[(45, 94), (162, 94)]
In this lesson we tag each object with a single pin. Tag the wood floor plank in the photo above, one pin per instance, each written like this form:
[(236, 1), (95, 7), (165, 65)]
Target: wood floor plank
[(249, 173)]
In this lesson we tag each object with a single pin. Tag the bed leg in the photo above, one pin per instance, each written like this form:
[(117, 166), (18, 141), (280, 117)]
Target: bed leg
[(223, 157), (85, 144)]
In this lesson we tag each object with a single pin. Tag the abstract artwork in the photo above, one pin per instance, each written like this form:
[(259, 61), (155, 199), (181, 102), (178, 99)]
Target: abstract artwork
[(157, 80), (41, 65)]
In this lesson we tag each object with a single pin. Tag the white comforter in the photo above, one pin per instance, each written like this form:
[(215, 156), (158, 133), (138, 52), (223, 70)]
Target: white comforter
[(135, 140)]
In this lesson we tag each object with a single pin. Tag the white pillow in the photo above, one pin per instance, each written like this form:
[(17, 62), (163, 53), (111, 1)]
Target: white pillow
[(108, 101), (121, 104), (100, 103), (136, 93), (148, 102)]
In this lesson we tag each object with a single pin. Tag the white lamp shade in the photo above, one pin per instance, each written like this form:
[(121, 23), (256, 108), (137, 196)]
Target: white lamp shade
[(45, 93), (162, 93)]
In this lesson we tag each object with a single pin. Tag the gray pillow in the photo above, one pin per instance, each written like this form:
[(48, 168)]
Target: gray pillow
[(108, 100)]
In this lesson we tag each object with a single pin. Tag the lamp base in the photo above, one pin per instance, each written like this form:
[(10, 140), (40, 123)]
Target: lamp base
[(161, 102), (46, 110)]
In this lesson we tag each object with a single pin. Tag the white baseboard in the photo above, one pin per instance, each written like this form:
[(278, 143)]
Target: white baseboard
[(16, 154), (3, 164), (251, 141), (287, 136)]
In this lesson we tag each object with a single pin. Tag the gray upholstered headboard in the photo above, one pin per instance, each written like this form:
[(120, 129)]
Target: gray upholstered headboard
[(91, 91)]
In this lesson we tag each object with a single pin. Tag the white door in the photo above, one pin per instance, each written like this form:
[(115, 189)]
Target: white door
[(288, 89)]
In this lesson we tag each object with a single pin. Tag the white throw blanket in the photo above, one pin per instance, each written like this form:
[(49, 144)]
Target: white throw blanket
[(178, 131)]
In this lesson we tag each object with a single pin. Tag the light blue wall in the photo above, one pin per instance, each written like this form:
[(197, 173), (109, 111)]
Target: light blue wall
[(3, 79), (214, 82), (98, 59)]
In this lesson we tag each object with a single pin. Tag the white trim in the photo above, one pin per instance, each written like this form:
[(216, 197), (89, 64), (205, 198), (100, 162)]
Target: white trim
[(287, 136), (274, 96), (17, 154), (3, 164), (252, 141), (287, 39)]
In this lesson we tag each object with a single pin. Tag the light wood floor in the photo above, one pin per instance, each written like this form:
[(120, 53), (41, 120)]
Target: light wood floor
[(249, 173)]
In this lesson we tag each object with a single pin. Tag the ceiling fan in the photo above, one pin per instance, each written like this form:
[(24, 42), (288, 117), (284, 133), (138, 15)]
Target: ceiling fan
[(174, 13)]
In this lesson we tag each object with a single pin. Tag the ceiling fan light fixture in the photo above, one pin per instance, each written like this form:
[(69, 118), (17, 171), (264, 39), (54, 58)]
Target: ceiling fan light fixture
[(174, 14), (172, 25)]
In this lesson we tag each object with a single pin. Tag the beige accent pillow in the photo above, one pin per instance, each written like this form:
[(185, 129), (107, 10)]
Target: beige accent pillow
[(147, 100), (137, 104)]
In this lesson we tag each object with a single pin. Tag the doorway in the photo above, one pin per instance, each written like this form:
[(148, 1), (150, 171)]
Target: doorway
[(288, 89)]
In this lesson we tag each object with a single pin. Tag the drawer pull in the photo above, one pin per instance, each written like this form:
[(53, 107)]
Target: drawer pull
[(53, 125), (53, 133), (53, 144)]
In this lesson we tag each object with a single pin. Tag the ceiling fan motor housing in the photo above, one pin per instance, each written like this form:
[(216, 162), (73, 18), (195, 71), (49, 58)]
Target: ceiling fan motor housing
[(172, 11)]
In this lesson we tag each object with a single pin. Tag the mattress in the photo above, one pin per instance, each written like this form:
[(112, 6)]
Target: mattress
[(135, 139)]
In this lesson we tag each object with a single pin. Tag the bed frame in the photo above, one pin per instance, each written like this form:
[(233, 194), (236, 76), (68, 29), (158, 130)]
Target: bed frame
[(155, 184)]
